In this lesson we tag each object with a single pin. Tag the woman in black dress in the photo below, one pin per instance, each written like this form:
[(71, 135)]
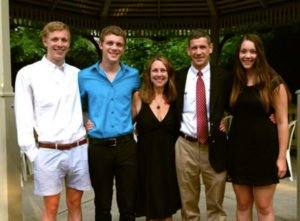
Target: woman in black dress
[(156, 126), (257, 146)]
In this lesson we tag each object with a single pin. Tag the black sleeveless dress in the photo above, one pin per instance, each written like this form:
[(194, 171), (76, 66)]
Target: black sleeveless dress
[(158, 194), (253, 142)]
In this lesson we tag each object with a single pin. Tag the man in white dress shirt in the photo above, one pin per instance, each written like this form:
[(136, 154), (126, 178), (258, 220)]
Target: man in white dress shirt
[(50, 126), (201, 153)]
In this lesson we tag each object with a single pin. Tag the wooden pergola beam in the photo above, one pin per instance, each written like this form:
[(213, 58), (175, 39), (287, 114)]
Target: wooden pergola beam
[(54, 4), (35, 16), (105, 8), (215, 28), (212, 7), (158, 8), (263, 3)]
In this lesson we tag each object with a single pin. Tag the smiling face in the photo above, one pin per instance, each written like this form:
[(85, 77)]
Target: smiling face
[(158, 74), (199, 50), (112, 48), (247, 54), (57, 44)]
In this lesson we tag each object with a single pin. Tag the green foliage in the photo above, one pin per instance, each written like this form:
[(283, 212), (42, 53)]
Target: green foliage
[(140, 50), (82, 52), (228, 52), (27, 47), (137, 52), (177, 51)]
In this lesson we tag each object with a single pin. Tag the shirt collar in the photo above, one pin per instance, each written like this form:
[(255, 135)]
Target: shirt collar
[(205, 70), (100, 70), (52, 65)]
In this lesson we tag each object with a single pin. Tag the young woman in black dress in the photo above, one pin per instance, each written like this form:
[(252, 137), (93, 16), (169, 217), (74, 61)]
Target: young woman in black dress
[(257, 146)]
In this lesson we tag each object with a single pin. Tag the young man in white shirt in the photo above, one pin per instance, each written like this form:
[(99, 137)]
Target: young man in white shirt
[(50, 126)]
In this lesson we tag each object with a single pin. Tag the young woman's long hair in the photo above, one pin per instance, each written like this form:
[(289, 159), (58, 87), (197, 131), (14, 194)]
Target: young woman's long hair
[(266, 77), (147, 90)]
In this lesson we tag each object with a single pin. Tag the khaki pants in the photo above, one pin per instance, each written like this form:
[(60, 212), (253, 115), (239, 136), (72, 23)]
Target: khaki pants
[(191, 163)]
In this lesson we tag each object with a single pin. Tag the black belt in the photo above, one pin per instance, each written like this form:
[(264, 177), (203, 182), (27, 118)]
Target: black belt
[(188, 137), (111, 141)]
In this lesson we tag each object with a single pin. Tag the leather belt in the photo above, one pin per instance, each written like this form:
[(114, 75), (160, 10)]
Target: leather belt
[(111, 141), (188, 137), (66, 146)]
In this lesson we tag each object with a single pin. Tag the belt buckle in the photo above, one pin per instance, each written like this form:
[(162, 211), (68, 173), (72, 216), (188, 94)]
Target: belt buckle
[(114, 142)]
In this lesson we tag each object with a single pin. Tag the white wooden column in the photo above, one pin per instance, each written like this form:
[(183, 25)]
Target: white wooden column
[(10, 190)]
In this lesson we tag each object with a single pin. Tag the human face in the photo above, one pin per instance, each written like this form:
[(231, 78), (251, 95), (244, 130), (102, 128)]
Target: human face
[(158, 74), (199, 51), (247, 54), (112, 48), (57, 44)]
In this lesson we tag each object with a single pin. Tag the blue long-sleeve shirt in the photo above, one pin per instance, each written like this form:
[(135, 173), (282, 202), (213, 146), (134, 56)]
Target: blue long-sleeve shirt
[(107, 103)]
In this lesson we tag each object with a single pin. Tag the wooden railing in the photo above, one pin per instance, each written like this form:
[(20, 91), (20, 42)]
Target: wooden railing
[(268, 17), (149, 27)]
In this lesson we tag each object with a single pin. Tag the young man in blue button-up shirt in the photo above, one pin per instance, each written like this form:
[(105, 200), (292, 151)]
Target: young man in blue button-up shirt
[(106, 90)]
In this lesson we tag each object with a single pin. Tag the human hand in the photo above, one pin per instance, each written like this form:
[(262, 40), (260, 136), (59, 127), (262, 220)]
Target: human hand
[(272, 118), (281, 166), (89, 125), (222, 126)]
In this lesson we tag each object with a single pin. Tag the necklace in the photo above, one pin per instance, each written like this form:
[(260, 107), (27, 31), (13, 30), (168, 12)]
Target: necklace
[(159, 102)]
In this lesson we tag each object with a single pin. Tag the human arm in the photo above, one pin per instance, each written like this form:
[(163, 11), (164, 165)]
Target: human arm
[(280, 103), (24, 115), (136, 104)]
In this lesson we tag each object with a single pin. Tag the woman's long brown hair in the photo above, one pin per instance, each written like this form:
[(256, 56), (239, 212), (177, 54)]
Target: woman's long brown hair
[(266, 76)]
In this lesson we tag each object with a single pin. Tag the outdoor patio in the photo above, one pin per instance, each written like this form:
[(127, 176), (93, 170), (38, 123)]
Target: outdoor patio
[(284, 204)]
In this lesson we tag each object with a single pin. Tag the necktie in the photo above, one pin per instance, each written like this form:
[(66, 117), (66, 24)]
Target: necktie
[(202, 130)]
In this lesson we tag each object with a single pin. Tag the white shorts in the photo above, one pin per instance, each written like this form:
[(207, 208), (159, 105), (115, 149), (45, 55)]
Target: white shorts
[(53, 169)]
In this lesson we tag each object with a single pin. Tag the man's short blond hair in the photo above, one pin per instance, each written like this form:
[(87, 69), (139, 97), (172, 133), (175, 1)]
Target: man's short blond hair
[(54, 26)]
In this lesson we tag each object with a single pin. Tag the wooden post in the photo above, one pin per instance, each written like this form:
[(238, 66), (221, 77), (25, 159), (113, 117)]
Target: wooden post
[(10, 188), (298, 154), (215, 38)]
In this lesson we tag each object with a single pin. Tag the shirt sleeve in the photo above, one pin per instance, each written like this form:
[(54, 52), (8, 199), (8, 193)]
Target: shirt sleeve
[(83, 96), (138, 82), (24, 114)]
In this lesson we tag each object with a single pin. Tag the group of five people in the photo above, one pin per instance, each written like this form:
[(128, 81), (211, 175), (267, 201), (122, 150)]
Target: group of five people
[(177, 121)]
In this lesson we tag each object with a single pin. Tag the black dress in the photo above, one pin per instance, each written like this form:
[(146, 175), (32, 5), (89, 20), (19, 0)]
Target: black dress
[(158, 194), (253, 142)]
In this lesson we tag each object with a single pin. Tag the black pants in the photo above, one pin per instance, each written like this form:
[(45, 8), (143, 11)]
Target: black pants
[(109, 162)]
